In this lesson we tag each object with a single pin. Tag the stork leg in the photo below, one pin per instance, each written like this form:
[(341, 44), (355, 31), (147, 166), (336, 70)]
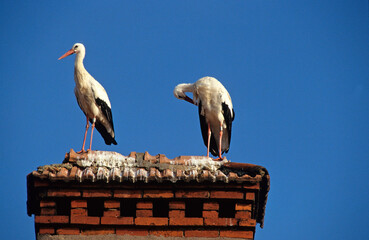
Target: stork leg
[(220, 144), (209, 135), (92, 132), (84, 139)]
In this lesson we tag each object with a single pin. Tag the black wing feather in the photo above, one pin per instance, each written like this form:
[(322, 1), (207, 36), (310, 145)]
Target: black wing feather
[(204, 131), (105, 109), (228, 118)]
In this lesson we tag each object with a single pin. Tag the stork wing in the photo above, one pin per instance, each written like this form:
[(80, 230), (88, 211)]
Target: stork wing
[(102, 100), (228, 115)]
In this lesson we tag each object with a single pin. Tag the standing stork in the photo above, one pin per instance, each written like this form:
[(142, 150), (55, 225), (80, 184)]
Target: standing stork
[(215, 111), (92, 99)]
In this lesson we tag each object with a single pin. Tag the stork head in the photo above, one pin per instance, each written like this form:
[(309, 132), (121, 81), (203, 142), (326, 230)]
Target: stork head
[(179, 92), (77, 48)]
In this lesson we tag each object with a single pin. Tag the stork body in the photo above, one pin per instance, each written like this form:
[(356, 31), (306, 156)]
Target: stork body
[(92, 99), (215, 112)]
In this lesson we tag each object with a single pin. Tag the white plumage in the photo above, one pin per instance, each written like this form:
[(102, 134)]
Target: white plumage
[(92, 99), (215, 112)]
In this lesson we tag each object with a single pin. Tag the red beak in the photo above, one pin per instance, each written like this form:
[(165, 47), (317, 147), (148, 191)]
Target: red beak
[(188, 99), (70, 52)]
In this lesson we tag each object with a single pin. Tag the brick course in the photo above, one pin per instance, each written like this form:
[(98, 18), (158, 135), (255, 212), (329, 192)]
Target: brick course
[(127, 193), (144, 205), (236, 234), (158, 194), (68, 231), (78, 204), (227, 194), (116, 220), (202, 233), (151, 221), (186, 221), (192, 194)]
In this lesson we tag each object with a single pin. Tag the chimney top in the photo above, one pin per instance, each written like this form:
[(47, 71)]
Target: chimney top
[(219, 180)]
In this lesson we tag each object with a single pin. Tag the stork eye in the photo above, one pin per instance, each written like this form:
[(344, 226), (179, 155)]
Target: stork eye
[(76, 47)]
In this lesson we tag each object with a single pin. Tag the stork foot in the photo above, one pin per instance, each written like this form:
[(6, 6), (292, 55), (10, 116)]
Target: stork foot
[(218, 159), (82, 151)]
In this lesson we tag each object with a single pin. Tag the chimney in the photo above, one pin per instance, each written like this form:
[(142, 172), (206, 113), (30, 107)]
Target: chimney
[(105, 195)]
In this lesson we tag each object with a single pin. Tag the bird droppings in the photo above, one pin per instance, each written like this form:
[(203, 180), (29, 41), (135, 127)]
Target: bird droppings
[(142, 167)]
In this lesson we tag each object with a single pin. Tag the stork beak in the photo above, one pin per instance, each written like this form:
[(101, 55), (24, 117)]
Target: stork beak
[(188, 99), (70, 52)]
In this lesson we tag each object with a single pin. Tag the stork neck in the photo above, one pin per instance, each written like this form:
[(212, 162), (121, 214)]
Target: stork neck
[(186, 87), (78, 63), (80, 71)]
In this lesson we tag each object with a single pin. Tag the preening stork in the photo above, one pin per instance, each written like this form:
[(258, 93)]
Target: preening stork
[(92, 99), (215, 111)]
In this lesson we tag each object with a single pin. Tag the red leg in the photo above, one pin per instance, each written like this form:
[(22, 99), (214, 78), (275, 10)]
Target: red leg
[(84, 139), (209, 135), (92, 132), (220, 144)]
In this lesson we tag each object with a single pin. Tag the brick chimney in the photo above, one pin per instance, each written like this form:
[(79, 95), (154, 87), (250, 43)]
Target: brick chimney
[(105, 195)]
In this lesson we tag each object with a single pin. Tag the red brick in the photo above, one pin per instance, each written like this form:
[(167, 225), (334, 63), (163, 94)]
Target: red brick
[(243, 215), (112, 213), (46, 230), (48, 211), (144, 205), (226, 194), (117, 220), (158, 194), (169, 233), (192, 194), (209, 214), (252, 186), (144, 213), (63, 193), (243, 206), (250, 196), (51, 219), (85, 220), (111, 204), (211, 206), (97, 193), (220, 222), (67, 231), (132, 232), (176, 213), (202, 233), (177, 205), (151, 221), (236, 234), (247, 223), (47, 203), (78, 212), (100, 231), (40, 183), (78, 204), (189, 221), (126, 193)]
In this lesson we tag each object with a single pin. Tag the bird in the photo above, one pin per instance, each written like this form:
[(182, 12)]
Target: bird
[(92, 99), (215, 110)]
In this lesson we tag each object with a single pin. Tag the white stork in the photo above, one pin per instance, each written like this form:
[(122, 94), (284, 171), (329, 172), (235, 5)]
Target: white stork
[(215, 111), (92, 99)]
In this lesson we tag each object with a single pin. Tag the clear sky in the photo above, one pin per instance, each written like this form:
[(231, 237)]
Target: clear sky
[(297, 72)]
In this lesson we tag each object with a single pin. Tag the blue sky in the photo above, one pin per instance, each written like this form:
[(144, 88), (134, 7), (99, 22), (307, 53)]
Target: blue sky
[(297, 72)]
